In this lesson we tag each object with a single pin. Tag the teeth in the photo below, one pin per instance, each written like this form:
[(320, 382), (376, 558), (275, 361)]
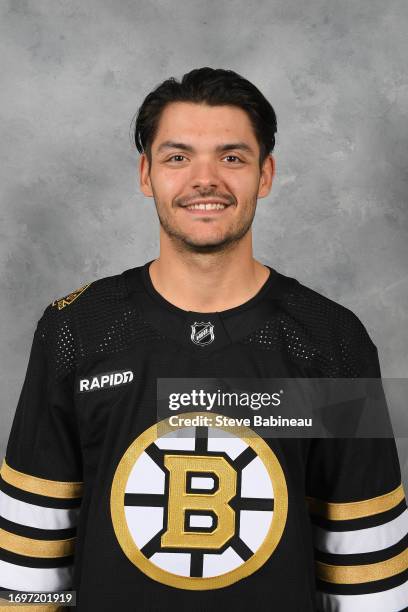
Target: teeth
[(209, 206)]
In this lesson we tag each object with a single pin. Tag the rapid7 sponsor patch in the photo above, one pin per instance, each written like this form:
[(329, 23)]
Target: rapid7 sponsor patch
[(105, 380)]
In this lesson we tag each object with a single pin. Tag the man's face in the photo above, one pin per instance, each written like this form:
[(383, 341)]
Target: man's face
[(203, 153)]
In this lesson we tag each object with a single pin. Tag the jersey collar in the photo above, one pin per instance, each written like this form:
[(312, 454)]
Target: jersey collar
[(203, 333)]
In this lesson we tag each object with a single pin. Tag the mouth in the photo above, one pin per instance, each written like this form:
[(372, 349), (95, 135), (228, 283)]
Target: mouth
[(214, 207)]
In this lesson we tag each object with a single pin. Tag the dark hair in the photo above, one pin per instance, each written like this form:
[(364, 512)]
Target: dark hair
[(212, 86)]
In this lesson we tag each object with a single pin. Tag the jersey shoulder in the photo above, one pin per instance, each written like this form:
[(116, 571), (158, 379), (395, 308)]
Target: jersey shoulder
[(89, 319), (321, 331), (68, 299), (329, 318), (90, 298), (321, 305)]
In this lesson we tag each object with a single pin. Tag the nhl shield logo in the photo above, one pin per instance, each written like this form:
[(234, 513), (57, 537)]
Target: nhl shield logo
[(202, 333)]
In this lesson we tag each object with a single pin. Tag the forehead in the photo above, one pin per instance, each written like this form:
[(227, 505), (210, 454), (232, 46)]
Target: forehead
[(188, 122)]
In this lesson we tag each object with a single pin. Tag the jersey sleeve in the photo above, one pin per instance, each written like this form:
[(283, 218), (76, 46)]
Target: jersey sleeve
[(359, 521), (40, 479)]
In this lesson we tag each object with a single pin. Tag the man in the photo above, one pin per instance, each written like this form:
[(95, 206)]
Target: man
[(199, 521)]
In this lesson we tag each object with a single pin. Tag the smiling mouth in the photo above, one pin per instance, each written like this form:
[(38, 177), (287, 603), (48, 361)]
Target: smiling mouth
[(206, 206), (209, 206)]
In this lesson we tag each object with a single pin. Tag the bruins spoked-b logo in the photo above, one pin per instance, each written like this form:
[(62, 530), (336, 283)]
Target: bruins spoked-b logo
[(202, 333), (199, 510)]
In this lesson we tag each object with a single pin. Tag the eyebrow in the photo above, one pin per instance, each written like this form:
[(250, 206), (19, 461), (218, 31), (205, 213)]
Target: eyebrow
[(171, 144)]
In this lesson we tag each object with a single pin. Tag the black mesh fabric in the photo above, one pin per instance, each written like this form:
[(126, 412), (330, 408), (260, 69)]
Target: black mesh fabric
[(318, 331), (306, 326), (101, 320)]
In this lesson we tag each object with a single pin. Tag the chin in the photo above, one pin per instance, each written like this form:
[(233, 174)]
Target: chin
[(206, 245)]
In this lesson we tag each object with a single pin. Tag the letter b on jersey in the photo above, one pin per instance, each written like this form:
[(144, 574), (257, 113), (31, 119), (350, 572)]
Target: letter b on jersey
[(180, 501)]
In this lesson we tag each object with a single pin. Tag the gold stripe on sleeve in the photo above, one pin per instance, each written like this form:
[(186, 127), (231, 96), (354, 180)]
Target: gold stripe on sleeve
[(40, 486), (36, 548), (350, 510), (354, 574)]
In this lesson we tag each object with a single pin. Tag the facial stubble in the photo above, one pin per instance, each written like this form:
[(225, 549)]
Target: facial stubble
[(184, 242)]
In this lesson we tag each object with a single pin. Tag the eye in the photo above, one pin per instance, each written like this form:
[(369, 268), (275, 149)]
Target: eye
[(173, 156), (234, 156)]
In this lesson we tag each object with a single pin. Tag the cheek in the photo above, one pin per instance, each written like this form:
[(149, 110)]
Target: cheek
[(168, 185), (243, 185), (243, 188)]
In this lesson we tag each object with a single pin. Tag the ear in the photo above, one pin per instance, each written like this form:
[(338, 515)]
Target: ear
[(144, 178), (267, 175)]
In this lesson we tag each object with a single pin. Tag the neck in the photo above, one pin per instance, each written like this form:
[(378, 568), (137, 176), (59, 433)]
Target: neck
[(207, 282)]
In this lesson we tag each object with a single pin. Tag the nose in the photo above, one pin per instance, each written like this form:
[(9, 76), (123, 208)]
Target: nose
[(204, 174)]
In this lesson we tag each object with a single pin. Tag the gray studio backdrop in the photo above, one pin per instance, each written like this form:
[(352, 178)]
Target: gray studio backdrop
[(72, 77)]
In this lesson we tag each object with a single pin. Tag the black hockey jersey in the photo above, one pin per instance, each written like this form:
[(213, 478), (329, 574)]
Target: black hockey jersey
[(95, 499)]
